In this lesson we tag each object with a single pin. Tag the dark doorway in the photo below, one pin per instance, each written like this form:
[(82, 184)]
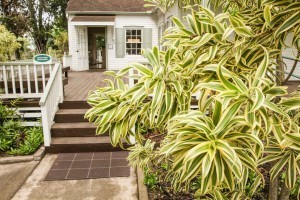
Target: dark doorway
[(97, 47)]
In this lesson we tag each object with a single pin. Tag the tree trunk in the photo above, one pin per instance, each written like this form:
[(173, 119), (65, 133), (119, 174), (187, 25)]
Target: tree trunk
[(273, 189), (18, 54), (285, 192), (280, 70)]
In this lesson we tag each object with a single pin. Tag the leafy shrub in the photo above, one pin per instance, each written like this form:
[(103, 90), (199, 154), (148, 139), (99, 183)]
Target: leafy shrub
[(151, 179), (14, 138), (11, 134), (33, 139), (244, 120)]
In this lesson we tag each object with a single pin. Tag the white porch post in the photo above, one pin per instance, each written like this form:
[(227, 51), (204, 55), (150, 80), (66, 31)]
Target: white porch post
[(61, 87), (46, 127)]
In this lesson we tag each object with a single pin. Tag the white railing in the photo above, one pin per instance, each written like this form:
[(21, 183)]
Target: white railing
[(67, 61), (23, 79), (50, 100)]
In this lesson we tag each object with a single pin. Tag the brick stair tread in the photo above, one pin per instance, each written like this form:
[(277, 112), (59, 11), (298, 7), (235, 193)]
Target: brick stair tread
[(80, 140)]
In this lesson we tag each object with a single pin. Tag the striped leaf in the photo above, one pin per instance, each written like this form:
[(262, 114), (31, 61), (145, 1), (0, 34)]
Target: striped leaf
[(288, 23)]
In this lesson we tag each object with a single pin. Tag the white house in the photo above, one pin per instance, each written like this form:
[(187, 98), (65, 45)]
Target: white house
[(109, 34)]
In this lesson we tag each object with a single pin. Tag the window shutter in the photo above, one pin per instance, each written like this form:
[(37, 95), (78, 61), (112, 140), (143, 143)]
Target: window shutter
[(147, 38), (120, 42)]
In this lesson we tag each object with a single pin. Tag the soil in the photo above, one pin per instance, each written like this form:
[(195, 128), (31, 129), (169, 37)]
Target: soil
[(155, 136), (163, 190)]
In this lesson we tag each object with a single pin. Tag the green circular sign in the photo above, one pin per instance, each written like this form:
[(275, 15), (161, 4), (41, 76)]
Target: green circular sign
[(42, 58)]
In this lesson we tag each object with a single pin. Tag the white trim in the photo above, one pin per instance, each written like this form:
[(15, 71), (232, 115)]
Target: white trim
[(21, 96), (142, 37), (109, 12), (92, 23)]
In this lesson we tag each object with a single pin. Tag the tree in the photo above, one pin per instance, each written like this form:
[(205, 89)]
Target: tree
[(58, 10), (8, 44), (59, 41), (36, 17), (15, 18)]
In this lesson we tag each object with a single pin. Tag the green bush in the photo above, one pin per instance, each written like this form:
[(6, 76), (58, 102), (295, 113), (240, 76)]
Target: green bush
[(14, 138), (151, 179), (33, 139), (245, 122)]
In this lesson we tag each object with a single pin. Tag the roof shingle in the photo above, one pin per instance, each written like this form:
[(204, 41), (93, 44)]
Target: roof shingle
[(107, 6)]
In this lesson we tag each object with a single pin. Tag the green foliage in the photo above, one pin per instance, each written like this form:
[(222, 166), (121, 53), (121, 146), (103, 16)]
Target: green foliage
[(141, 155), (24, 50), (8, 44), (163, 5), (226, 63), (150, 179), (33, 139), (14, 138), (59, 41)]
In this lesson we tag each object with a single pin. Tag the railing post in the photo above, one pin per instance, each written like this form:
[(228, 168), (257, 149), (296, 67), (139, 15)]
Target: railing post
[(46, 126), (61, 86)]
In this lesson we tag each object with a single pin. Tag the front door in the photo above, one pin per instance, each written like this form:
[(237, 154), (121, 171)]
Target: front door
[(96, 47), (83, 62)]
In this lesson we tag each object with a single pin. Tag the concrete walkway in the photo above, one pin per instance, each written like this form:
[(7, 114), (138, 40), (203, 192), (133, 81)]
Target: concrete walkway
[(35, 188), (13, 176)]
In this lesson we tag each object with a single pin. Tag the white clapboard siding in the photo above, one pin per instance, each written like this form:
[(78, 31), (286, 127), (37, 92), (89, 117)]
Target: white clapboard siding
[(121, 21)]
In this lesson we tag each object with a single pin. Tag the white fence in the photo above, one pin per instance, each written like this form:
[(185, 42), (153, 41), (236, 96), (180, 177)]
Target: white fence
[(50, 100), (23, 80), (29, 81)]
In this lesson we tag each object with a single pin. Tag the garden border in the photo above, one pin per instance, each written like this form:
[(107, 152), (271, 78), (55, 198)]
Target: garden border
[(142, 189), (37, 156)]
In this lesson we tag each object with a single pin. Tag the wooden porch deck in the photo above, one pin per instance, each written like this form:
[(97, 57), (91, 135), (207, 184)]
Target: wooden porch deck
[(81, 83)]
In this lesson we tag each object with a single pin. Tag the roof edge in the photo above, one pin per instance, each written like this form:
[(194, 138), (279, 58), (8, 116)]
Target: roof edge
[(108, 12)]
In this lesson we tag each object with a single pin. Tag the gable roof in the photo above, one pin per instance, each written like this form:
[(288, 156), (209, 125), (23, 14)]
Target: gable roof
[(108, 6)]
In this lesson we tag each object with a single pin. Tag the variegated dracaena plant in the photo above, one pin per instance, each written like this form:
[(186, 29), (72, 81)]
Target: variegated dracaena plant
[(243, 119)]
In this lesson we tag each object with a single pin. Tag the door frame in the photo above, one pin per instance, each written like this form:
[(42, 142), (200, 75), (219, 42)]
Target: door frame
[(106, 44)]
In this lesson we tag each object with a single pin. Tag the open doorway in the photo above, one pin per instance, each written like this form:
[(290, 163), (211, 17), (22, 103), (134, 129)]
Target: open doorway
[(97, 47)]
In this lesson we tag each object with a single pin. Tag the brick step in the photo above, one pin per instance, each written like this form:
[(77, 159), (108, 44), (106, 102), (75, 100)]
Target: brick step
[(74, 105), (79, 144), (78, 129), (70, 116)]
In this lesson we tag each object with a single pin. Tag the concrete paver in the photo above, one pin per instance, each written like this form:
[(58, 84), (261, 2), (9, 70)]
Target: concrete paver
[(13, 176), (35, 188)]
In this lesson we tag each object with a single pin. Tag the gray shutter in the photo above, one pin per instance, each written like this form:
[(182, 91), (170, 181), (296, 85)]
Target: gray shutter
[(147, 38), (120, 42)]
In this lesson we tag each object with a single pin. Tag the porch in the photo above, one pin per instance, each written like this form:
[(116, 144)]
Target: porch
[(81, 83)]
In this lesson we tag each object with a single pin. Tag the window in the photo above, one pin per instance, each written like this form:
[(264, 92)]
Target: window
[(133, 41)]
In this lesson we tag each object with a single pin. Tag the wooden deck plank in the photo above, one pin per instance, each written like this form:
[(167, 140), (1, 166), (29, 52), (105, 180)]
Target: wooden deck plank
[(81, 83)]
